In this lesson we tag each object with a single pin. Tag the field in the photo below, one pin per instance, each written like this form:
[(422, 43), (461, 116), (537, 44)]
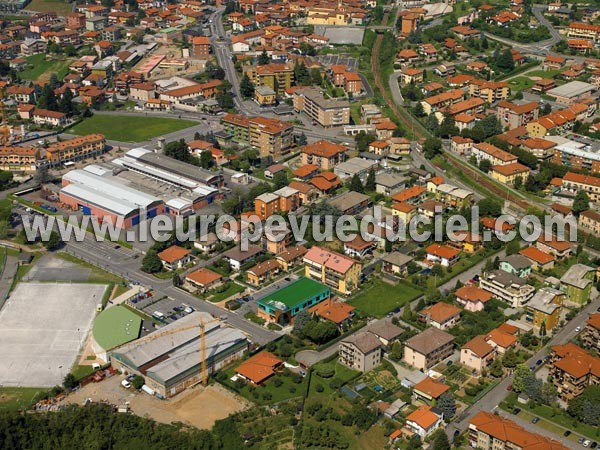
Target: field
[(543, 73), (378, 298), (14, 398), (42, 67), (94, 274), (42, 328), (62, 8), (233, 289), (129, 128), (520, 83)]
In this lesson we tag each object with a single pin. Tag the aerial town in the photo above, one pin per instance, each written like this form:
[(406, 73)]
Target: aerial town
[(120, 114)]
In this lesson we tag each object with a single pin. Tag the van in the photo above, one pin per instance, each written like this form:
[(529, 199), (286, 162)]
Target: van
[(158, 315)]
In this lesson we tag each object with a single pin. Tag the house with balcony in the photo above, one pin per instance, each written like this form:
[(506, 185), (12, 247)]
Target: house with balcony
[(333, 269), (361, 351), (428, 348), (572, 370), (508, 287)]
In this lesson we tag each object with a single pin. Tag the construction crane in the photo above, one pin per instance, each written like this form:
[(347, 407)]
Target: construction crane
[(202, 325), (4, 130)]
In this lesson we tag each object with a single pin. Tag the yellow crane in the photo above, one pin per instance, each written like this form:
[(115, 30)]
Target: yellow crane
[(202, 326)]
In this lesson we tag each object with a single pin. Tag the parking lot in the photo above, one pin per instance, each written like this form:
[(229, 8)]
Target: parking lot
[(42, 329), (51, 268), (330, 60), (171, 310), (341, 35)]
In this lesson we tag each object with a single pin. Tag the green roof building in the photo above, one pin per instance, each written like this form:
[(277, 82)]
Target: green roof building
[(281, 306), (114, 327)]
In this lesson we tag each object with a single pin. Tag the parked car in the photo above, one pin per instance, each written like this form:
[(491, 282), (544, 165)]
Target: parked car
[(587, 443), (594, 444), (535, 420), (578, 329), (567, 433), (516, 411), (126, 384), (581, 439), (509, 387), (539, 362)]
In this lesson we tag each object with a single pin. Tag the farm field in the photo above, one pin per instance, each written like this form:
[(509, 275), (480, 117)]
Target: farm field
[(129, 128), (60, 7)]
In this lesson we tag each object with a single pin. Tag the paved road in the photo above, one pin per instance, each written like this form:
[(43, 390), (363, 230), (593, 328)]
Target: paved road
[(122, 262), (498, 393), (537, 429)]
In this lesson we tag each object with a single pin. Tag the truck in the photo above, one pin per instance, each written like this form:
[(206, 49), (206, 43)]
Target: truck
[(148, 390)]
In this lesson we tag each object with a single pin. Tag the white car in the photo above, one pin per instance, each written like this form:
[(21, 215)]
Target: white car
[(586, 443), (578, 329), (126, 384)]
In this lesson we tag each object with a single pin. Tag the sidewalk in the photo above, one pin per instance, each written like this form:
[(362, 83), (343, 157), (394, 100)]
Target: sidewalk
[(6, 280)]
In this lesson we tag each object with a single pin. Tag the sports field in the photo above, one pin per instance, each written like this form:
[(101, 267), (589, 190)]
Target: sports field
[(129, 128), (42, 328), (116, 326)]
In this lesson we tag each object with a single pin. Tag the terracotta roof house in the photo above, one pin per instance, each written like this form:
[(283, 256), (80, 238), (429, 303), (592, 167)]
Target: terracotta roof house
[(175, 257), (472, 298), (430, 389), (440, 315), (260, 367)]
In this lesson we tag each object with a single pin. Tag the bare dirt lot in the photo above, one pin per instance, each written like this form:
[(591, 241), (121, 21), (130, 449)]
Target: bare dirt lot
[(199, 406)]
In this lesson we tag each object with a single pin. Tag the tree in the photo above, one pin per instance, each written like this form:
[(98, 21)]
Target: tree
[(47, 99), (53, 241), (485, 165), (301, 319), (397, 351), (419, 111), (549, 394), (447, 404), (489, 207), (518, 183), (440, 441), (302, 140), (509, 359), (496, 368), (546, 109), (522, 372), (543, 331), (505, 61), (65, 104), (355, 184), (206, 159), (432, 147), (448, 127), (301, 74), (580, 203), (70, 382), (151, 262), (370, 183), (263, 58), (280, 180), (407, 313), (6, 179), (138, 381), (512, 247), (315, 77), (246, 87), (586, 407)]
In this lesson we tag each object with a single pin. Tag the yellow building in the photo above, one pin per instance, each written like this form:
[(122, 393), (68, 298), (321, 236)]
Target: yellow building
[(333, 269), (327, 16), (404, 211), (277, 76), (489, 91), (19, 158), (265, 96), (544, 308), (508, 173), (76, 149)]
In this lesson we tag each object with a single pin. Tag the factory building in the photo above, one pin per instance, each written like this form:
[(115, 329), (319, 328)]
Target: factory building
[(170, 359), (96, 194)]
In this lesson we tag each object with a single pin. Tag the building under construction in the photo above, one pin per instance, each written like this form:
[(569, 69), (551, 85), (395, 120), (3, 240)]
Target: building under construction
[(170, 359)]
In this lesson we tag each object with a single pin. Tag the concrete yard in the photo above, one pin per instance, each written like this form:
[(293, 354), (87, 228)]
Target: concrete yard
[(49, 267), (342, 35), (42, 328)]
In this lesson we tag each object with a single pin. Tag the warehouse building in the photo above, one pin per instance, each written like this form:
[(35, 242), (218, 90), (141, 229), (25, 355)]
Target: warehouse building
[(169, 170), (283, 305), (108, 200), (170, 359), (114, 327)]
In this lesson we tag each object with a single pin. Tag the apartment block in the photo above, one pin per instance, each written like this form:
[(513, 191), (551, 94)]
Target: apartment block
[(332, 269), (361, 351), (493, 154), (582, 30), (544, 308), (19, 159), (285, 199), (589, 221), (75, 149), (591, 333), (572, 370), (324, 154), (440, 101), (428, 348), (326, 112), (514, 116), (505, 286), (574, 182), (489, 91), (277, 76), (273, 138)]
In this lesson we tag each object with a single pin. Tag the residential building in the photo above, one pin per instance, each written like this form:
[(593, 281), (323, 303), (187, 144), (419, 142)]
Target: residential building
[(584, 31), (284, 304), (516, 264), (440, 315), (493, 154), (538, 259), (360, 351), (577, 283), (351, 203), (442, 254), (542, 149), (396, 263), (338, 312), (285, 199), (333, 269), (590, 336), (472, 298), (488, 431), (175, 257), (440, 101), (273, 138), (359, 248), (489, 91), (477, 354), (265, 96), (501, 340), (573, 182), (259, 274), (509, 173), (259, 368), (75, 149), (559, 248), (201, 280), (324, 111), (429, 390), (544, 308), (277, 76), (572, 370), (508, 287), (291, 257), (589, 221), (428, 348), (19, 159), (386, 331), (514, 116), (324, 154), (424, 420)]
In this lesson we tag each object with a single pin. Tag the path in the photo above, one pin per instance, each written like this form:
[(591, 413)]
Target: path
[(7, 277)]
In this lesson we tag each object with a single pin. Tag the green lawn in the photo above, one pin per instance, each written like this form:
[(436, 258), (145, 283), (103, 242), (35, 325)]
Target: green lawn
[(520, 83), (129, 128), (42, 65), (15, 398), (233, 289), (2, 255), (80, 372), (543, 73), (341, 375), (61, 7), (377, 298)]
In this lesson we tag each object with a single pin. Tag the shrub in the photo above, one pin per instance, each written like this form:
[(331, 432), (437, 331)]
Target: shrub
[(319, 388), (335, 384), (277, 382), (326, 372)]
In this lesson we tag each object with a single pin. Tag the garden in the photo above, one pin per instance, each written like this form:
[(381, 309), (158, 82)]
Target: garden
[(377, 298)]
